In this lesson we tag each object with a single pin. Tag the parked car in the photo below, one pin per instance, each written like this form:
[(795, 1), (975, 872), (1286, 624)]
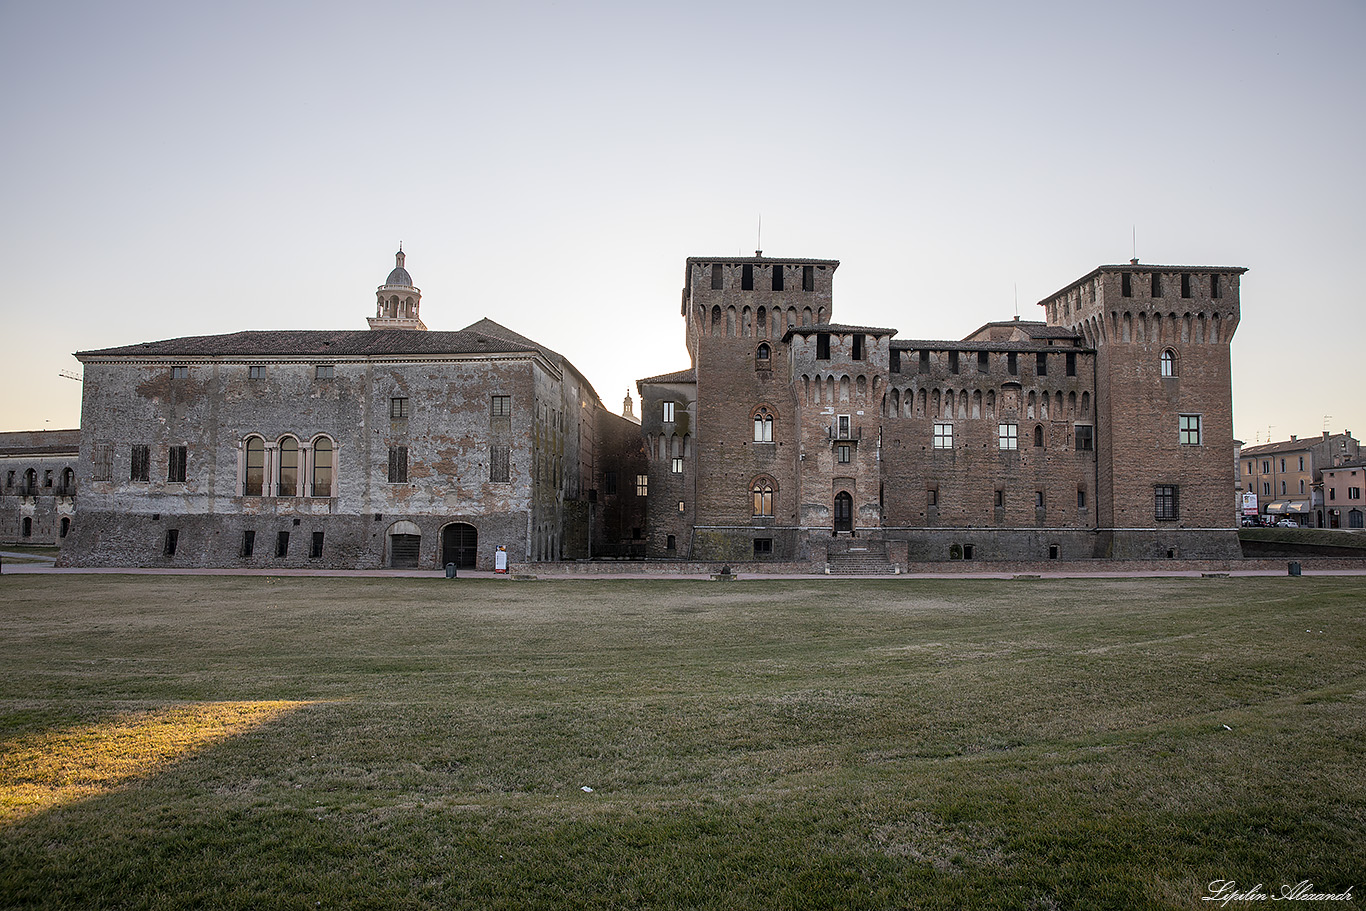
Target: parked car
[(1287, 523)]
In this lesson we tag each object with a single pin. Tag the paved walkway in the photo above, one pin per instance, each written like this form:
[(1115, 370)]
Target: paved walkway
[(549, 572)]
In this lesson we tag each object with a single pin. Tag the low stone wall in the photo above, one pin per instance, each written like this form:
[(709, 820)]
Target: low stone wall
[(964, 567)]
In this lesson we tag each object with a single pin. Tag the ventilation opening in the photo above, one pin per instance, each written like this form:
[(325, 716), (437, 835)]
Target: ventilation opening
[(1052, 551)]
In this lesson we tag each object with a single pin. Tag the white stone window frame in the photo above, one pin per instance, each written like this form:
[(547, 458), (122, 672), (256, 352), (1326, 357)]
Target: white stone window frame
[(943, 435), (1190, 429), (1008, 436)]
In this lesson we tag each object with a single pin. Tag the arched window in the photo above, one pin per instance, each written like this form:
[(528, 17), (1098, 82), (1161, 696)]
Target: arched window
[(255, 476), (66, 526), (1038, 435), (762, 356), (30, 483), (762, 491), (288, 475), (68, 482), (321, 484), (1168, 362), (763, 425)]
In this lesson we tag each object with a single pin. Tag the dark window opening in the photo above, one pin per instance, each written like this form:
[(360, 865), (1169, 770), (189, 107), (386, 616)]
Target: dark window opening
[(1085, 437), (248, 543), (1013, 364), (1038, 499), (808, 278), (501, 406), (1214, 289), (953, 362), (1166, 502), (1052, 551), (141, 464), (1041, 364), (822, 346), (1000, 498), (747, 277), (398, 464), (1157, 285), (858, 346), (1185, 284), (282, 544), (967, 551), (777, 278), (316, 550), (983, 362), (175, 470), (500, 458), (763, 546), (894, 360), (1038, 435), (26, 527), (1126, 287), (932, 496), (1081, 498), (398, 408), (66, 527), (716, 277), (610, 483), (172, 539), (671, 543), (924, 361), (1071, 364)]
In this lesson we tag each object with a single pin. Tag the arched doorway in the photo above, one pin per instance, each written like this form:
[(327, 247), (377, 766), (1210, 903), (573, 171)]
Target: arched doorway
[(405, 543), (459, 545), (844, 512)]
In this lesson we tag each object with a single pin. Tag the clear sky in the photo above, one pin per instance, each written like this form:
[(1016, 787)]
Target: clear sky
[(174, 168)]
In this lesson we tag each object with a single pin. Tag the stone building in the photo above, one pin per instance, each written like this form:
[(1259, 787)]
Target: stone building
[(391, 446), (1103, 431), (37, 485)]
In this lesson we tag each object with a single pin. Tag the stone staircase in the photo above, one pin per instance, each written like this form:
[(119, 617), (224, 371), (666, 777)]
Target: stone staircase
[(855, 557)]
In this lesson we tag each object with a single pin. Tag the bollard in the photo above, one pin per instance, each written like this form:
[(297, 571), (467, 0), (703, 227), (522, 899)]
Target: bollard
[(450, 570), (1294, 569)]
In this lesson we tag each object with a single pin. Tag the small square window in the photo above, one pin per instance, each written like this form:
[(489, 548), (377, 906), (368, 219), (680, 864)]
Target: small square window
[(1008, 436), (943, 436), (1085, 437), (763, 546), (1189, 429), (398, 408), (501, 406), (180, 373), (256, 372), (324, 372)]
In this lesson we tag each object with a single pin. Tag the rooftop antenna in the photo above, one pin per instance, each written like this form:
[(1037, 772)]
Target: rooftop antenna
[(77, 377), (1134, 261), (759, 238), (1326, 419), (1017, 300)]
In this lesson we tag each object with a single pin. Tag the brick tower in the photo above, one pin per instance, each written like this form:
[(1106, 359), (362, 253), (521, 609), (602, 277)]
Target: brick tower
[(1164, 409)]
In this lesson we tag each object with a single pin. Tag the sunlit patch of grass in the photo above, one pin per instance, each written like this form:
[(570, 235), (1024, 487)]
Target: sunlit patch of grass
[(49, 769)]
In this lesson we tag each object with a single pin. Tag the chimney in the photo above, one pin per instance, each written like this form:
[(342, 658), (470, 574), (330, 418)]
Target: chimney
[(1325, 434), (1293, 438)]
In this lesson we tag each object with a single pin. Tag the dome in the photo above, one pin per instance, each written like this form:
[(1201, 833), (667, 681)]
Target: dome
[(399, 276)]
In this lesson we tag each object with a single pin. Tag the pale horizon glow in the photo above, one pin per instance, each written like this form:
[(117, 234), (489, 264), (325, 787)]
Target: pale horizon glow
[(175, 170)]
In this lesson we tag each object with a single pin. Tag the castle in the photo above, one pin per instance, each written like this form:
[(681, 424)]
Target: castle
[(1104, 430)]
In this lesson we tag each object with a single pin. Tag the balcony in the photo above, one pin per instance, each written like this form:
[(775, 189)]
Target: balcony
[(846, 434)]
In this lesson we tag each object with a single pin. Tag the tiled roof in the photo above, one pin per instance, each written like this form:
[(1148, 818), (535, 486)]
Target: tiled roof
[(949, 345), (681, 376), (1284, 446), (836, 327)]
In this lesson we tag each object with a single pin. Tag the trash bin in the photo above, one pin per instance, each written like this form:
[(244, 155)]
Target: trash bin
[(450, 570), (1294, 569)]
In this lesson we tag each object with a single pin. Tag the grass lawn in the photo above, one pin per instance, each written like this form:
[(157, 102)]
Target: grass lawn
[(221, 742)]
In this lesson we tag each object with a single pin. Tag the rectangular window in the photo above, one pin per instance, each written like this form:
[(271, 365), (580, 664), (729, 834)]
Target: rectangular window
[(1126, 285), (398, 464), (9, 479), (1214, 289), (1008, 436), (642, 485), (808, 278), (47, 478), (1157, 285), (777, 278), (894, 360), (248, 543), (716, 277), (1301, 463), (670, 543), (500, 406), (172, 539), (859, 339), (140, 470), (1041, 364), (1301, 485), (924, 361), (943, 436), (610, 482), (175, 468), (822, 346), (500, 467), (1266, 466), (180, 373), (932, 496), (1166, 505), (1081, 498), (1185, 284), (668, 412), (324, 372), (316, 549), (983, 362), (1000, 498), (843, 453), (282, 544), (1038, 499), (953, 362), (256, 372), (1012, 364), (1282, 465), (1071, 364), (763, 547), (1190, 429), (1354, 493), (677, 466), (398, 408), (843, 426), (1266, 488), (747, 277), (1085, 435)]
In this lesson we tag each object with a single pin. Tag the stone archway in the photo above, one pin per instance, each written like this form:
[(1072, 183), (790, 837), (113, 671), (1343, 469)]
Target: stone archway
[(460, 545), (844, 512), (404, 541)]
